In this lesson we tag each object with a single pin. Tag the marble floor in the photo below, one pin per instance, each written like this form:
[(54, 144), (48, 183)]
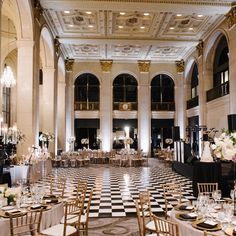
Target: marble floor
[(116, 188)]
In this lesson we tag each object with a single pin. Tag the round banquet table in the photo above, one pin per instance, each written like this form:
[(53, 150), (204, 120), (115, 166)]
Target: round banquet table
[(186, 228), (49, 218)]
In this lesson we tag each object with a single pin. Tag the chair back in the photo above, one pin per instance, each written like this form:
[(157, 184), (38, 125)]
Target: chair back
[(58, 185), (207, 187), (81, 190), (165, 227), (144, 198), (25, 224), (171, 190), (140, 226), (209, 234), (86, 211)]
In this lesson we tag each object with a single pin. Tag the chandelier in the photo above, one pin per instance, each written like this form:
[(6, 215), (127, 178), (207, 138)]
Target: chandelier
[(7, 79)]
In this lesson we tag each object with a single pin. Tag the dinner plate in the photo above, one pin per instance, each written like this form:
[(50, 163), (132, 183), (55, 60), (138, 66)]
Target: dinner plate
[(7, 208), (38, 206), (178, 216), (195, 225), (6, 214), (184, 208)]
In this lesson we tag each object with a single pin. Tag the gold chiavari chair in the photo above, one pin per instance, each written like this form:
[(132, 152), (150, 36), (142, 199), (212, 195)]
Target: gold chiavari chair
[(171, 190), (146, 211), (64, 229), (25, 224), (57, 186), (207, 187), (209, 234), (165, 227)]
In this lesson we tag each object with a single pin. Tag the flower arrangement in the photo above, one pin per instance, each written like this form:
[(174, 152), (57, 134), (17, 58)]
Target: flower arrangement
[(224, 147), (71, 139), (15, 136), (46, 137), (168, 140), (84, 141), (129, 141), (11, 194)]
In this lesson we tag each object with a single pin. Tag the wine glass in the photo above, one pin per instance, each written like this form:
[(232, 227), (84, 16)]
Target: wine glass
[(216, 195)]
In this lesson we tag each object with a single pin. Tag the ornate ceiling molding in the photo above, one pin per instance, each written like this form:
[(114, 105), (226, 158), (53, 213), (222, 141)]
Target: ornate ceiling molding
[(231, 16), (200, 47), (106, 65), (38, 10), (144, 66), (180, 65), (69, 64)]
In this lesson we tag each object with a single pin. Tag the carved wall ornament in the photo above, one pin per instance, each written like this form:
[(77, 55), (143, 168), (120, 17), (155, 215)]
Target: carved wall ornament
[(69, 64), (180, 66), (106, 65), (231, 16), (200, 47), (38, 10), (57, 45), (144, 66)]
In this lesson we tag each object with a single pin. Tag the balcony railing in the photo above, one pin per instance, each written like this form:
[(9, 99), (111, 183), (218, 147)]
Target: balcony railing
[(86, 106), (193, 102), (125, 106), (218, 91), (163, 106)]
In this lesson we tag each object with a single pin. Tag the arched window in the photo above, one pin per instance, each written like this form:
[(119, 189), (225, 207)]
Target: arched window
[(6, 105), (194, 81), (221, 63), (162, 93), (220, 71), (86, 92), (125, 92)]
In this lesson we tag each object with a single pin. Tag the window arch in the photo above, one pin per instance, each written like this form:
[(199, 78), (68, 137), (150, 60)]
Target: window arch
[(87, 92), (125, 92), (162, 93), (221, 63)]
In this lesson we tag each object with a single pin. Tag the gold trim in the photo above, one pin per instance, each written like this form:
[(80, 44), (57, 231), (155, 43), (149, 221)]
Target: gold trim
[(231, 16), (144, 66), (69, 64), (200, 47), (106, 65), (180, 66)]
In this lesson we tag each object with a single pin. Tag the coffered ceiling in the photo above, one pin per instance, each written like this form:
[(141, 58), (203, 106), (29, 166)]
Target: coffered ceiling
[(156, 30)]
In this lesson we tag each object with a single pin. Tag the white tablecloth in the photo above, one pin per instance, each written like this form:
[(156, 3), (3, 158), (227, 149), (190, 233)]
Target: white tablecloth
[(49, 218), (186, 228), (32, 172)]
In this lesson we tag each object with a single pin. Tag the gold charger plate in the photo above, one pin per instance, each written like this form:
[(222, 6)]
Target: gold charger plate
[(195, 225), (5, 214), (178, 216), (44, 206)]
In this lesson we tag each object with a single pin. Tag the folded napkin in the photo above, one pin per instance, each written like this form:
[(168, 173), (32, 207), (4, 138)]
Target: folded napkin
[(36, 206), (49, 196), (190, 216), (207, 224), (184, 208), (12, 212)]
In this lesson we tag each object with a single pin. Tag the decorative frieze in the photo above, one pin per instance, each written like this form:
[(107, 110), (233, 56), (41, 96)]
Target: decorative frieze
[(180, 66), (38, 10), (106, 65), (231, 16), (57, 45), (144, 66), (200, 47), (69, 64)]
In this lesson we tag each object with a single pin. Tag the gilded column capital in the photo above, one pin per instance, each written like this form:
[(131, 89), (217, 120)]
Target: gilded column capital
[(231, 16), (106, 65), (144, 66), (57, 45), (69, 64), (38, 10), (200, 47), (180, 66)]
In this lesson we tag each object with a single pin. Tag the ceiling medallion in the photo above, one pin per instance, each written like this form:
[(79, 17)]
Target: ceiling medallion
[(106, 65), (144, 66)]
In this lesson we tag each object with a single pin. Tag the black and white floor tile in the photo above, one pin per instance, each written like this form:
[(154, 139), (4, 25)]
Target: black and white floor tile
[(116, 188)]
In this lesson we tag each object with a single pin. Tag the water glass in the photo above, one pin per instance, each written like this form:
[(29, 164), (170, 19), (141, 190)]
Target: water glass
[(216, 195)]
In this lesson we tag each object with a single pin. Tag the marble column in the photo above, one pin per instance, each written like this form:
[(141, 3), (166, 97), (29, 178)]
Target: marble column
[(180, 101), (106, 100), (69, 100), (144, 108), (48, 105), (25, 94), (201, 94)]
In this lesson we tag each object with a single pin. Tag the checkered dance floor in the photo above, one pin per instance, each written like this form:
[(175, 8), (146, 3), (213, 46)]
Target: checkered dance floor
[(116, 188)]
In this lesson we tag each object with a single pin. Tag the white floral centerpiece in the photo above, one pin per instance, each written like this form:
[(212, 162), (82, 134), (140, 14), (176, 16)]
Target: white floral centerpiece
[(84, 141), (129, 141), (224, 146), (46, 137), (168, 140)]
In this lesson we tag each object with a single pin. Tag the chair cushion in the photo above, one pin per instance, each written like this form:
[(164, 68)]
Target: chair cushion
[(57, 230)]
